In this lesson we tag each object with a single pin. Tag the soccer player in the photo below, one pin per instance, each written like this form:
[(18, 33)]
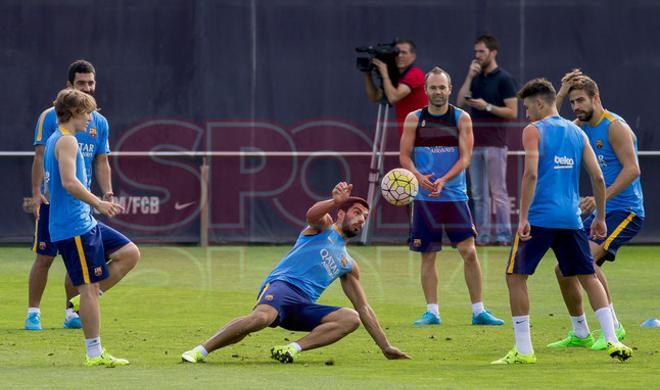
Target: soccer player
[(94, 147), (288, 294), (555, 149), (615, 146), (73, 230), (437, 146)]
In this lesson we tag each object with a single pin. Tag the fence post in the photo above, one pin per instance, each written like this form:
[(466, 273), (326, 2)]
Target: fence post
[(204, 204)]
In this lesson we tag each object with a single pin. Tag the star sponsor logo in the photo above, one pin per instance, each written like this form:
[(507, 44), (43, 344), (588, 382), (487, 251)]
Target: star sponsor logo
[(180, 206)]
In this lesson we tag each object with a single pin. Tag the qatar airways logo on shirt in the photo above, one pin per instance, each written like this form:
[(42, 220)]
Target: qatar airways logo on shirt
[(442, 149), (563, 162), (87, 150), (329, 263)]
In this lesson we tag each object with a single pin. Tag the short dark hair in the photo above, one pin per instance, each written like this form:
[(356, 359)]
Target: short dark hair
[(80, 66), (489, 40), (538, 87), (413, 48), (437, 70), (348, 203), (586, 84)]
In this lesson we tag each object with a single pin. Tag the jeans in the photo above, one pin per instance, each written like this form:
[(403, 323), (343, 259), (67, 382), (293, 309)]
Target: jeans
[(488, 178)]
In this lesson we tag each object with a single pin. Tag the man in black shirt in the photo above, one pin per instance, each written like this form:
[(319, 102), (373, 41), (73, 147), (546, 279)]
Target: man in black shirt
[(490, 92)]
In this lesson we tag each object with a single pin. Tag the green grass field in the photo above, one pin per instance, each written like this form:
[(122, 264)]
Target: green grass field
[(178, 296)]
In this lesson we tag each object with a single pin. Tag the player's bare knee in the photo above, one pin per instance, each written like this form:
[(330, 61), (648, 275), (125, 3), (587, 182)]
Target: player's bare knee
[(89, 291), (128, 255), (352, 319), (260, 319), (43, 261), (468, 253)]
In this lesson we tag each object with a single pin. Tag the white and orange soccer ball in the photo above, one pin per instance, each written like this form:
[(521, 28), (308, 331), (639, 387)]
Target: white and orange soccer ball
[(399, 187)]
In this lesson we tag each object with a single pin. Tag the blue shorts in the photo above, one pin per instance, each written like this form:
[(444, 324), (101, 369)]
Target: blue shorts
[(84, 257), (112, 239), (42, 244), (622, 226), (571, 248), (429, 219), (295, 311)]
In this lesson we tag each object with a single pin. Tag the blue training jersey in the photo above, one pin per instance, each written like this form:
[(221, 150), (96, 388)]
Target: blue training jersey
[(314, 262), (436, 151), (630, 199), (557, 195), (69, 216), (91, 142)]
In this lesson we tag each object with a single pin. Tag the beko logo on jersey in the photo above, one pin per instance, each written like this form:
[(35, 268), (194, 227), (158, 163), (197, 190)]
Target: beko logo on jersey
[(563, 162), (328, 263)]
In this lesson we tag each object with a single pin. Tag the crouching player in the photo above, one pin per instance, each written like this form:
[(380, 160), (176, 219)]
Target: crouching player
[(288, 294)]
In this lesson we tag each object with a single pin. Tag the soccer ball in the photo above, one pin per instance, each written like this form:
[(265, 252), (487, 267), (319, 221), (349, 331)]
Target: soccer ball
[(399, 187)]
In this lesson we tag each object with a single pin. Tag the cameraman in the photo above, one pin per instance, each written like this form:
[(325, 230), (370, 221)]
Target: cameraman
[(409, 94)]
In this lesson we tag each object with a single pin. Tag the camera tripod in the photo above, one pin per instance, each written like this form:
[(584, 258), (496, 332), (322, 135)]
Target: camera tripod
[(377, 160)]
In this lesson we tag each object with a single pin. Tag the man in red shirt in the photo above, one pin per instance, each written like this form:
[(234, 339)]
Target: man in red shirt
[(409, 94)]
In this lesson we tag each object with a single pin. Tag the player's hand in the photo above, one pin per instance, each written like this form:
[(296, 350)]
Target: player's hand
[(474, 69), (425, 181), (598, 228), (109, 209), (587, 204), (438, 184), (524, 230), (382, 67), (567, 80), (108, 196), (341, 192), (479, 104), (37, 201), (395, 353)]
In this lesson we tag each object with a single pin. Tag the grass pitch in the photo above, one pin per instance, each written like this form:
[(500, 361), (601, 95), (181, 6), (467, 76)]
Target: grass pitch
[(178, 296)]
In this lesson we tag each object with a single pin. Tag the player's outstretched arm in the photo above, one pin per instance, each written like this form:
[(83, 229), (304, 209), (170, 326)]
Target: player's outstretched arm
[(350, 283), (66, 150), (317, 215)]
